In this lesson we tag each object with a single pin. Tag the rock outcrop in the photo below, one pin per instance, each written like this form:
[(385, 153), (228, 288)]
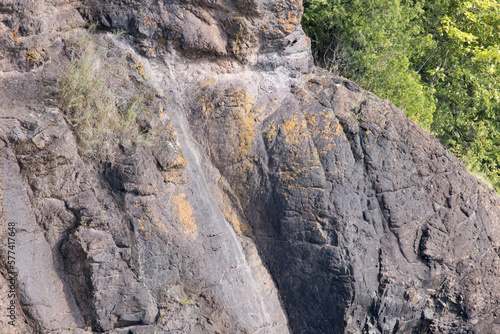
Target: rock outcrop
[(264, 196)]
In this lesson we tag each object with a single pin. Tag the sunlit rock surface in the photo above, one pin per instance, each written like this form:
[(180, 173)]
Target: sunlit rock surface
[(275, 197)]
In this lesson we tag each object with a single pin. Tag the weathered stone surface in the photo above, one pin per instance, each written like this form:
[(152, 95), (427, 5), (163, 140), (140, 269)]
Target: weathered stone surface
[(105, 288), (275, 197), (36, 269)]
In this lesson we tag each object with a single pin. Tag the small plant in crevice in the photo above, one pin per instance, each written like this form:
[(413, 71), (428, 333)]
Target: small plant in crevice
[(186, 301), (90, 102)]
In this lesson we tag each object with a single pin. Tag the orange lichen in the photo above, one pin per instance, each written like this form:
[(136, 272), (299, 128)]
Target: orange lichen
[(34, 57), (136, 64), (206, 83), (185, 212), (14, 37), (240, 116), (232, 217)]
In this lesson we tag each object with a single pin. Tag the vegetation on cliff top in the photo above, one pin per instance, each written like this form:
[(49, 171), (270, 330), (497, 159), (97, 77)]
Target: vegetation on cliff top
[(437, 60)]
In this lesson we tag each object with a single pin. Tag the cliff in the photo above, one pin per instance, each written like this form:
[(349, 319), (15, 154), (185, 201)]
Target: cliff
[(182, 167)]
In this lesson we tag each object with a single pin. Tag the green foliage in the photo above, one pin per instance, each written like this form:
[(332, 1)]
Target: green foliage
[(371, 42), (464, 72), (437, 60), (186, 301), (90, 104)]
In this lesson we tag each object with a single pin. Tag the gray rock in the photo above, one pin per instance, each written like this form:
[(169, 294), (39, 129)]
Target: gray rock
[(274, 197), (105, 288)]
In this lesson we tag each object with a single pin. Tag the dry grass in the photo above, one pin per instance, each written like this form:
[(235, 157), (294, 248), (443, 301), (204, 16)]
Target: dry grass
[(90, 104)]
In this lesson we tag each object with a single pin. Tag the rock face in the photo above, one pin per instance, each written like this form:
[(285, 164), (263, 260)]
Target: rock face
[(272, 198)]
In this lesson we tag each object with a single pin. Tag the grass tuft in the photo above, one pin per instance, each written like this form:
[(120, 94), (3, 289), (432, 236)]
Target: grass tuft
[(90, 104)]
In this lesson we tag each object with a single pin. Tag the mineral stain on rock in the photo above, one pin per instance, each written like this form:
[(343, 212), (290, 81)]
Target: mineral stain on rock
[(250, 193), (185, 211)]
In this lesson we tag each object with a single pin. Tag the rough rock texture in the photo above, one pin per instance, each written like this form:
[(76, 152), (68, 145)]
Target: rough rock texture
[(275, 198)]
